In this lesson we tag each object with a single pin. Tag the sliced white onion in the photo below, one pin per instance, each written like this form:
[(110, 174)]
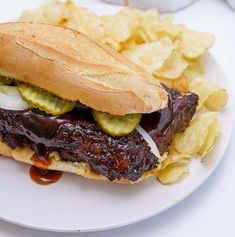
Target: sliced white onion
[(11, 99), (149, 140)]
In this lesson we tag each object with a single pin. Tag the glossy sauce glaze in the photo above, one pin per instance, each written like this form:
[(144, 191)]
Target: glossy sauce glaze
[(42, 162), (41, 129), (76, 137), (44, 177)]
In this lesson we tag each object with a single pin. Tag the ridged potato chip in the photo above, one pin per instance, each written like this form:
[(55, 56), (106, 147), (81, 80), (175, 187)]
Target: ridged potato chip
[(151, 56), (210, 139), (194, 69), (176, 159), (148, 21), (66, 13), (217, 100), (53, 12), (87, 22), (210, 95), (172, 174), (194, 44), (167, 28), (131, 43), (173, 67), (114, 36), (181, 83), (195, 136), (132, 17), (153, 28)]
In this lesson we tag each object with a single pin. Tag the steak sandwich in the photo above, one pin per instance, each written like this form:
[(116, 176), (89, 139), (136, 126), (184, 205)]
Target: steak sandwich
[(69, 103)]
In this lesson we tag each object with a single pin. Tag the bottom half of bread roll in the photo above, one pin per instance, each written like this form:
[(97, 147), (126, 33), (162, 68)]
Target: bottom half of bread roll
[(24, 154)]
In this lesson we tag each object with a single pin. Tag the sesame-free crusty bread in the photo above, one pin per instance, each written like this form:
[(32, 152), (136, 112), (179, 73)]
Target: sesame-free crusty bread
[(75, 67), (24, 154)]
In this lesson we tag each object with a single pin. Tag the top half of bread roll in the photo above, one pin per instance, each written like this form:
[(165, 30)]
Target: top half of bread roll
[(75, 67)]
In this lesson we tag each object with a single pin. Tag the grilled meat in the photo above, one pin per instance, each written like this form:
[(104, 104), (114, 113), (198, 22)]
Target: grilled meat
[(77, 137)]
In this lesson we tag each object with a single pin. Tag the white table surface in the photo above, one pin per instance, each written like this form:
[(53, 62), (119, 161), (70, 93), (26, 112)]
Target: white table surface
[(210, 210)]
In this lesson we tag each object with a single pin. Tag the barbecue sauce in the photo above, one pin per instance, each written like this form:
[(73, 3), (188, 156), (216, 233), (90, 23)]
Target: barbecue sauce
[(40, 127), (41, 161), (44, 177), (39, 172), (44, 131)]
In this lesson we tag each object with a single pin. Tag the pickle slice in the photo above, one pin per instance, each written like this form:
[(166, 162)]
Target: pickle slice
[(44, 101), (5, 80), (116, 125)]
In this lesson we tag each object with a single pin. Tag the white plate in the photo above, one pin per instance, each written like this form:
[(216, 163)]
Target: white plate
[(78, 204)]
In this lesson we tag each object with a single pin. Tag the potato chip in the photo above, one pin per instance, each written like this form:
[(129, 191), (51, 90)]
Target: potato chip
[(153, 28), (151, 56), (131, 43), (194, 44), (167, 28), (194, 137), (53, 12), (214, 97), (66, 13), (181, 84), (175, 158), (202, 88), (173, 67), (132, 17), (167, 82), (114, 36), (210, 139), (217, 100), (85, 21), (172, 174), (194, 69), (162, 157), (148, 20)]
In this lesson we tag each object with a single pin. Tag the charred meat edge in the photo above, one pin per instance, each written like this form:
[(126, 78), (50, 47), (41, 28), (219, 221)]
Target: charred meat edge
[(76, 136)]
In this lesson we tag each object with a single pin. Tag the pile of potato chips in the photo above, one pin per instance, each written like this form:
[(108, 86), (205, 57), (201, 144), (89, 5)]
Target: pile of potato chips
[(171, 52)]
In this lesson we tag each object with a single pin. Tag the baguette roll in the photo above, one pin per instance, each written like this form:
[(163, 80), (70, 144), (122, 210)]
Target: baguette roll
[(75, 67)]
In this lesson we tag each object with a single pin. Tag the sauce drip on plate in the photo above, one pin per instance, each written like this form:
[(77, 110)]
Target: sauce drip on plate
[(39, 172), (44, 177)]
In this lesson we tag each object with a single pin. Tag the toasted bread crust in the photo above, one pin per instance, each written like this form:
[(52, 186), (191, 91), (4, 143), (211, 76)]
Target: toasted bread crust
[(77, 68)]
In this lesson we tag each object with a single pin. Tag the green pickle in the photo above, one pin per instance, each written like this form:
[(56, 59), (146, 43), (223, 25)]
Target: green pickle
[(116, 125), (44, 101)]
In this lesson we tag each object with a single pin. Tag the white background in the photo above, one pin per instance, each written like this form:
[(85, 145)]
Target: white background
[(210, 210)]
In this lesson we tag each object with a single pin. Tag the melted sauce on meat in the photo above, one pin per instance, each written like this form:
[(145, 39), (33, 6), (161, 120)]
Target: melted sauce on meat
[(40, 127), (48, 133), (44, 177), (158, 122)]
